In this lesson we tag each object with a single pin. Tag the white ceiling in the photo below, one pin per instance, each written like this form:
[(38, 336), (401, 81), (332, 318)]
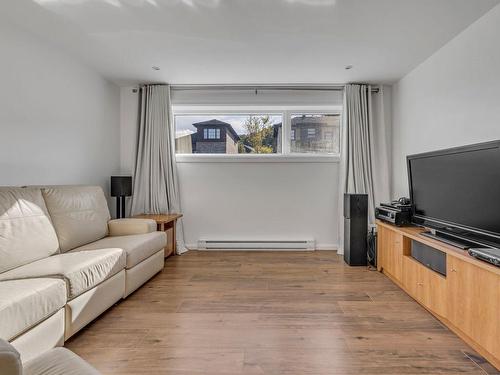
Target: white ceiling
[(248, 41)]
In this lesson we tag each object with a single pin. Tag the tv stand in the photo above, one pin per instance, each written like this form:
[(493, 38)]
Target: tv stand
[(466, 298), (449, 239)]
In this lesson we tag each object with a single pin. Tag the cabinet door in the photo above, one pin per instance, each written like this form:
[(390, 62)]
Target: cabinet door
[(425, 285), (434, 293), (411, 278), (473, 302), (496, 351), (382, 239), (394, 261)]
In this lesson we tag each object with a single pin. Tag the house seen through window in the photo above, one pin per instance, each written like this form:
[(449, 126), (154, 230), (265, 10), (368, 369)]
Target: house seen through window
[(315, 133), (258, 133), (227, 134)]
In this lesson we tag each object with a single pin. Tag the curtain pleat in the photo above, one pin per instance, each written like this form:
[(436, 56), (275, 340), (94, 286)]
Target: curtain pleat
[(156, 188)]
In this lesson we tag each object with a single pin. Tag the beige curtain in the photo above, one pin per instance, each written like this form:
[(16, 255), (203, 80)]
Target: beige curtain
[(156, 188), (365, 149)]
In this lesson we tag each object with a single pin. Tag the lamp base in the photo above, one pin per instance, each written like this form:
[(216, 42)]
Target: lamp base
[(120, 207)]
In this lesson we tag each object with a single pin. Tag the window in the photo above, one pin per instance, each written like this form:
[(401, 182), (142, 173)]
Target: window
[(323, 138), (211, 133), (229, 133), (311, 133), (286, 132)]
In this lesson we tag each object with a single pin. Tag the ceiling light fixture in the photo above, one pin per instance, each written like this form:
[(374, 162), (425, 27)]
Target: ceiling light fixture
[(156, 68), (348, 67)]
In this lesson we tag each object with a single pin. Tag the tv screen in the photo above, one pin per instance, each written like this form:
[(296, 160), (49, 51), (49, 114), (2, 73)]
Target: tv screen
[(458, 187)]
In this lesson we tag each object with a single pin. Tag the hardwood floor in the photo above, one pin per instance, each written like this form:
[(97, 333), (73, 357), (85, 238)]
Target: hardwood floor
[(254, 313)]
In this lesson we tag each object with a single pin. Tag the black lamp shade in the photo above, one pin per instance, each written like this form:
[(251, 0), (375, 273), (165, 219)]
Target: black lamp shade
[(121, 186)]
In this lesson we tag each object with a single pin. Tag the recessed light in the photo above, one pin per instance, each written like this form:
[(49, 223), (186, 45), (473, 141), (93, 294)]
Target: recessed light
[(156, 68), (348, 67)]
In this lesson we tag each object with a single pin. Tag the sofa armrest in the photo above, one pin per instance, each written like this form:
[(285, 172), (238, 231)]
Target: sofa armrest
[(127, 227), (10, 360), (59, 361)]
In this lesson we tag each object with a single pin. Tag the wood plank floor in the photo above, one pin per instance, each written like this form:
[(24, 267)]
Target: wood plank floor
[(254, 313)]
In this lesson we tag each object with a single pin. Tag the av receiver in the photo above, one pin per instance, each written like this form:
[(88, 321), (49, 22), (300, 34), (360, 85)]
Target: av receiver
[(396, 214)]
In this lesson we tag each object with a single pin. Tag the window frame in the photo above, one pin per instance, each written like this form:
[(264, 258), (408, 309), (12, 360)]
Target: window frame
[(285, 111)]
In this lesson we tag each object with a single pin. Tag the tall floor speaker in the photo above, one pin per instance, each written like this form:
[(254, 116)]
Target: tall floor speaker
[(355, 229)]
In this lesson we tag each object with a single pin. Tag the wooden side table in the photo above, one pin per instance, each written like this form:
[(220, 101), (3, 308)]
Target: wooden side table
[(164, 223)]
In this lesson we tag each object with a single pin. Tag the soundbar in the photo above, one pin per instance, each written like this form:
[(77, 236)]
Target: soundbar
[(429, 257)]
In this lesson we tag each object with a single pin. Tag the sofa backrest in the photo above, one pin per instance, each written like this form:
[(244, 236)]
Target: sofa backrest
[(79, 214), (26, 231)]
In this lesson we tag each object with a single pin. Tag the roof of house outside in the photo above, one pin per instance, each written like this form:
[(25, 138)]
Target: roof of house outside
[(215, 122), (312, 120)]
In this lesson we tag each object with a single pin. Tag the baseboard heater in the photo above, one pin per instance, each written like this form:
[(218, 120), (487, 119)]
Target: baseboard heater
[(255, 245)]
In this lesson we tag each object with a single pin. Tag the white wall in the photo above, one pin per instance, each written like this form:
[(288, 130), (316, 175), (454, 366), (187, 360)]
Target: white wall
[(247, 200), (272, 201), (59, 120), (129, 119), (451, 99)]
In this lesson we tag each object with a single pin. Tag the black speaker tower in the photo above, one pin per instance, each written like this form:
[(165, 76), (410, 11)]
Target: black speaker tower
[(355, 229)]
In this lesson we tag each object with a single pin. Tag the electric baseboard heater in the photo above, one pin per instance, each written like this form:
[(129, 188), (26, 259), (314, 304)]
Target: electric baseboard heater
[(256, 245)]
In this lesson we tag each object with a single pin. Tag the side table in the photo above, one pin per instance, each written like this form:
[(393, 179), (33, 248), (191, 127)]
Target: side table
[(164, 223)]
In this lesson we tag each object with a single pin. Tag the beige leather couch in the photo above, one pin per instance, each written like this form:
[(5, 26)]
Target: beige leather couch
[(63, 262), (58, 361)]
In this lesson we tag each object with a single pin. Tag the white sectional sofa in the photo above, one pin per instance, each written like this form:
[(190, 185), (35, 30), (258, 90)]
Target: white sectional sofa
[(63, 262), (58, 361)]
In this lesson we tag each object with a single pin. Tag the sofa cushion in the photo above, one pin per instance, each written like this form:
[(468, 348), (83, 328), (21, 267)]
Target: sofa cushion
[(137, 247), (26, 232), (80, 214), (25, 303), (81, 270), (58, 361), (130, 226)]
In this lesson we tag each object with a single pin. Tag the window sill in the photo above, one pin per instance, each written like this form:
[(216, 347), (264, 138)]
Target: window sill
[(256, 158)]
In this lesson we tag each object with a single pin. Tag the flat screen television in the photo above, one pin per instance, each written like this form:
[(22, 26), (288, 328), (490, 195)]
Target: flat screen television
[(457, 192)]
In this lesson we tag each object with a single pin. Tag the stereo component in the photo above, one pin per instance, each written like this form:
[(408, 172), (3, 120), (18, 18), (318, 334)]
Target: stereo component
[(394, 214), (490, 255)]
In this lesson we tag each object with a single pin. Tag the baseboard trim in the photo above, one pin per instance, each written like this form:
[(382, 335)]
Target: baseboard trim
[(327, 247), (319, 247)]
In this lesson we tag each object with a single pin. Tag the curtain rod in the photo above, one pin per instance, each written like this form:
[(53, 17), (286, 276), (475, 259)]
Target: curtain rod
[(265, 87)]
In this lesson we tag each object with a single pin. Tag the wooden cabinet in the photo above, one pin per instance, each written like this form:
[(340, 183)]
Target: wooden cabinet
[(473, 302), (425, 285), (467, 299)]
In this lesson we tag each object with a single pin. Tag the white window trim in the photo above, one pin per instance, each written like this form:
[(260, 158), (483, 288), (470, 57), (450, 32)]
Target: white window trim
[(257, 158), (284, 157)]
